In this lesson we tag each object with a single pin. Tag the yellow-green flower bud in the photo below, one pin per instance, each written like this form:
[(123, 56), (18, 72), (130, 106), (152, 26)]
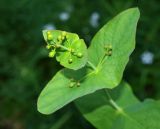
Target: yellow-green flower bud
[(48, 46), (52, 53), (67, 36), (70, 60), (109, 53), (49, 37), (79, 55), (62, 37), (72, 50), (48, 32), (72, 84), (64, 33), (59, 38), (108, 47)]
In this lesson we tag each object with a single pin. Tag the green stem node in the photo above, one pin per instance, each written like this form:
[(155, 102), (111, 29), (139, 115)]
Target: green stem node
[(112, 102), (92, 65)]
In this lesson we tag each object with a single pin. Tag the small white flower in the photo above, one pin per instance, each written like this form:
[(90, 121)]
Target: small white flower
[(147, 57), (64, 16), (94, 19), (49, 27)]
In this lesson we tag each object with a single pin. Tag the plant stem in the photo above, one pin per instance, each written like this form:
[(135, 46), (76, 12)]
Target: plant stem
[(92, 65), (112, 102), (61, 46), (65, 48)]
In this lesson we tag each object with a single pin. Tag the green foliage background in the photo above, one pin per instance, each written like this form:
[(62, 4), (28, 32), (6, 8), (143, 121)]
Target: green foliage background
[(25, 67)]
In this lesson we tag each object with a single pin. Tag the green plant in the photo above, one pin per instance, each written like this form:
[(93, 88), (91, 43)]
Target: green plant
[(70, 51), (98, 68)]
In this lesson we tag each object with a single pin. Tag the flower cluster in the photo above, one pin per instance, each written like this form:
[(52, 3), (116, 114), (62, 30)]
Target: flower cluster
[(108, 49), (53, 45), (74, 83)]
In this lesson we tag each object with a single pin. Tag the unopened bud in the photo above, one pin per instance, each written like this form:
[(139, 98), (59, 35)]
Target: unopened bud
[(109, 53), (71, 85), (60, 38), (64, 33), (49, 37), (72, 50), (48, 32), (67, 36), (52, 53), (48, 46), (70, 60), (79, 55)]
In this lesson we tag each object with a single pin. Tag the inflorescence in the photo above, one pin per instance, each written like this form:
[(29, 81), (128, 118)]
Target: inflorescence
[(108, 49), (74, 83), (53, 45)]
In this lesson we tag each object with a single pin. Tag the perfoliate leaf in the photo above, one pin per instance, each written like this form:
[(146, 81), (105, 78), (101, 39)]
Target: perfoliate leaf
[(67, 85), (134, 114), (68, 46), (119, 35)]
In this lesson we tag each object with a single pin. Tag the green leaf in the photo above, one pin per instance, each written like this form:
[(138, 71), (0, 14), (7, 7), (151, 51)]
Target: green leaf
[(68, 58), (134, 114), (119, 33), (58, 93)]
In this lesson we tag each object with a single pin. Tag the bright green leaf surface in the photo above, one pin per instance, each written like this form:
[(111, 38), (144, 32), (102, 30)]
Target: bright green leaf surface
[(57, 92), (120, 34), (71, 42), (109, 71), (134, 115)]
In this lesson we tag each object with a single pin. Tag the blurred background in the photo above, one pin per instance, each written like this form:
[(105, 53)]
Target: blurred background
[(25, 67)]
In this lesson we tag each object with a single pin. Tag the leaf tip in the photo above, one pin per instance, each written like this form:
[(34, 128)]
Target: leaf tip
[(136, 11), (40, 109)]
